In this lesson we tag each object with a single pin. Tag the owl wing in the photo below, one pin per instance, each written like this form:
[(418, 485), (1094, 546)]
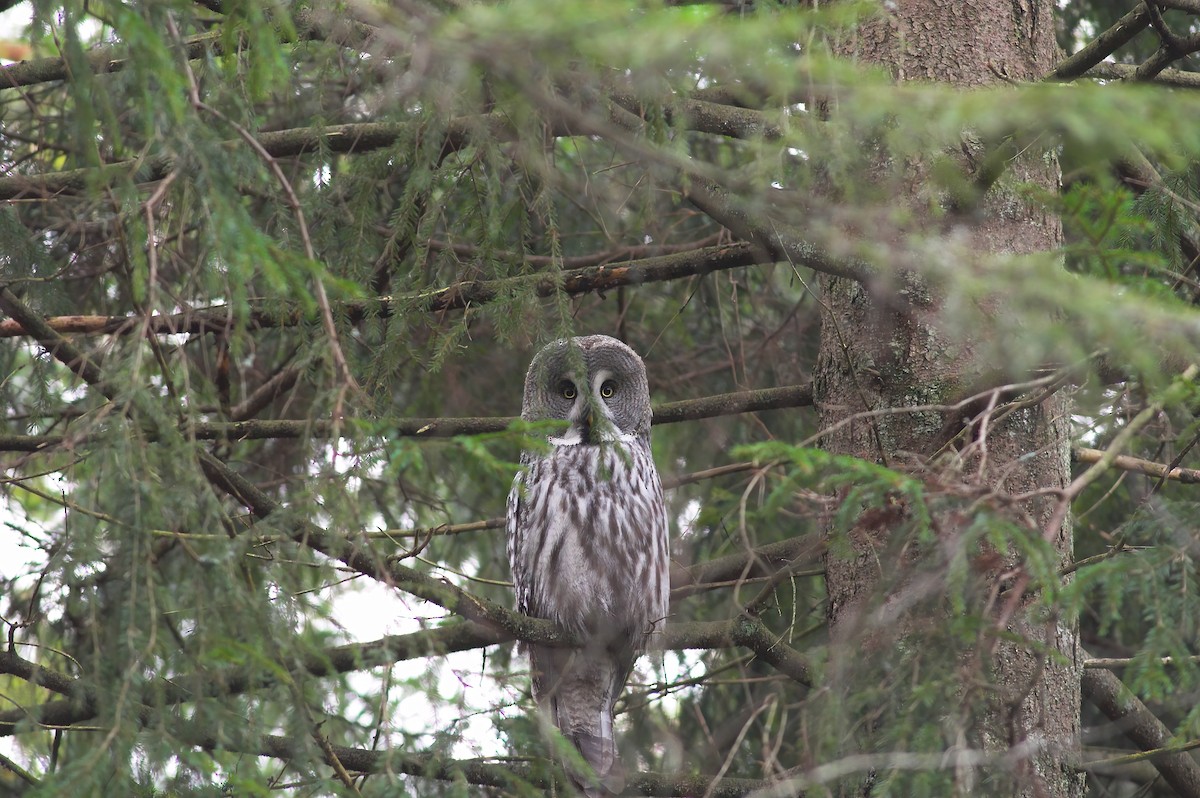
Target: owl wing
[(513, 535), (575, 689)]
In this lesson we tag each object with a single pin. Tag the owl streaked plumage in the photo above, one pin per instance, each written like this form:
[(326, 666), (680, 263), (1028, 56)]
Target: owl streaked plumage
[(587, 538)]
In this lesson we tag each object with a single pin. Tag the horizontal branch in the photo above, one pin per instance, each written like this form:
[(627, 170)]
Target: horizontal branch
[(342, 139), (106, 59), (390, 649), (570, 262), (79, 704), (703, 116), (471, 293), (668, 413), (1114, 663), (80, 707), (762, 561), (1188, 476), (360, 137), (492, 774), (1177, 78)]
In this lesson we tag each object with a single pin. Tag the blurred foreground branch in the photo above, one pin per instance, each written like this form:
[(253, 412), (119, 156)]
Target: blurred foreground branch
[(668, 413)]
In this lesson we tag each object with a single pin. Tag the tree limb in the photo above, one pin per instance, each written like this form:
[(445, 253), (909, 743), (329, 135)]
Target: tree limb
[(310, 26), (1142, 727), (484, 773), (1188, 476), (1168, 77), (725, 404), (79, 704), (459, 296), (80, 707), (754, 226), (1103, 45)]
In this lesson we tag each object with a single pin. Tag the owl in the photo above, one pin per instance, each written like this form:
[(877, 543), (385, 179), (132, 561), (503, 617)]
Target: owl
[(587, 539)]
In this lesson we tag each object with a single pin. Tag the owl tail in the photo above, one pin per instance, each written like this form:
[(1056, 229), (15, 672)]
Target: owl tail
[(601, 754), (577, 690)]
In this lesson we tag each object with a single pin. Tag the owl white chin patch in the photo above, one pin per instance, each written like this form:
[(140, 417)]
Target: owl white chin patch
[(573, 438)]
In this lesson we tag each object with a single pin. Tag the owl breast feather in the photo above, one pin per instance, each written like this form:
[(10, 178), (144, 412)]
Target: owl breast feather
[(591, 526)]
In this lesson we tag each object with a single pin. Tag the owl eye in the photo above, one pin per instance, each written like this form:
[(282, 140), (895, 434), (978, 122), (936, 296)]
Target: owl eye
[(608, 389), (567, 389)]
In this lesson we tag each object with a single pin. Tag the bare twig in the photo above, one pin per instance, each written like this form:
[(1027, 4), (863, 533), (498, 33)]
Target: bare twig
[(1113, 663), (1188, 476)]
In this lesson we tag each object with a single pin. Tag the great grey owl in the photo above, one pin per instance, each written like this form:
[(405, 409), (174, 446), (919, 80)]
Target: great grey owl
[(587, 539)]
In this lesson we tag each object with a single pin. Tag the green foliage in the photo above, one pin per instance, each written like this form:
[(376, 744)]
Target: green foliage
[(273, 172)]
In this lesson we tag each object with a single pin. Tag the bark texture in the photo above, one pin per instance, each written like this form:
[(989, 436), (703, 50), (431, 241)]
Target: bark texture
[(1026, 710)]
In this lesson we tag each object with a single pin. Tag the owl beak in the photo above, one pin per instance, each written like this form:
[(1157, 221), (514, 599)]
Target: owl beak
[(589, 417)]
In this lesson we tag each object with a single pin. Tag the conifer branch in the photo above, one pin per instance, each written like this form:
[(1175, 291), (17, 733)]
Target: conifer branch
[(360, 137), (342, 139), (571, 262), (1176, 78), (761, 561), (1106, 692), (79, 705), (776, 242), (1104, 45), (470, 293), (306, 533), (492, 774), (310, 26), (725, 404), (1188, 476)]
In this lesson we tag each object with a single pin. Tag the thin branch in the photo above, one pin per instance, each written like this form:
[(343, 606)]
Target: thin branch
[(309, 26), (1108, 457), (306, 533), (486, 773), (79, 704), (668, 413), (702, 116), (762, 561), (753, 225), (364, 137), (1144, 756), (459, 296), (81, 707), (1188, 476), (569, 262), (1113, 663), (388, 650), (1167, 77), (343, 139)]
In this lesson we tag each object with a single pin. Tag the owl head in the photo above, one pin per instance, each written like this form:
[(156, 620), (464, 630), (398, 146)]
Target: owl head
[(595, 383)]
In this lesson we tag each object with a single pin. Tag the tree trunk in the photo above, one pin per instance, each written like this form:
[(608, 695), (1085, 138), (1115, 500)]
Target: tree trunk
[(1012, 699)]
